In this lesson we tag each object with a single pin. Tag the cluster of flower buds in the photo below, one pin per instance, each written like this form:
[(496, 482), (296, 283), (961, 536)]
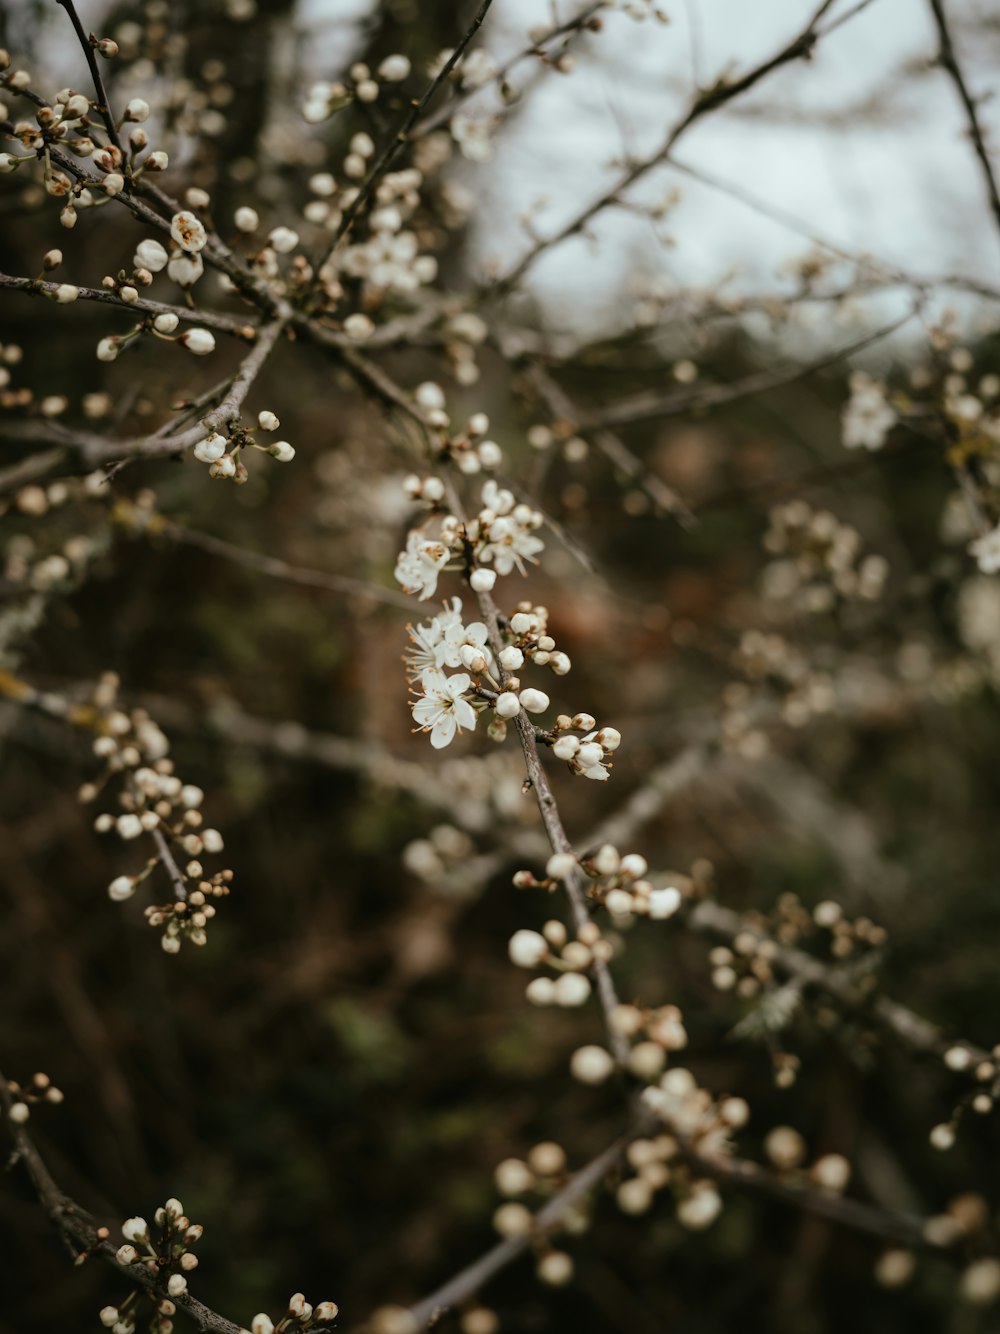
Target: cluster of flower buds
[(819, 560), (155, 802), (223, 454), (165, 1251), (569, 958), (300, 1315), (981, 1098), (652, 1035), (589, 754), (363, 85), (541, 1174), (24, 1097), (468, 448)]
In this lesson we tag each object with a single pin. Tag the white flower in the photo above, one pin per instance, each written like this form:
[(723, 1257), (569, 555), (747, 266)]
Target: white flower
[(418, 567), (129, 826), (527, 949), (224, 467), (188, 231), (868, 417), (211, 448), (185, 269), (473, 134), (120, 889), (986, 549), (441, 710), (507, 705), (283, 240), (394, 69), (589, 759), (198, 341), (482, 581), (664, 903), (135, 1229), (150, 255), (534, 701), (591, 1065)]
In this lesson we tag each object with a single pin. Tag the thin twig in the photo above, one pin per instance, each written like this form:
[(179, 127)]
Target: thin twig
[(233, 324), (104, 102), (949, 62), (401, 137)]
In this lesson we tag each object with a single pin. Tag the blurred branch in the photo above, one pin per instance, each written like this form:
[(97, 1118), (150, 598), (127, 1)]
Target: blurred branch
[(444, 114), (839, 982), (103, 101), (949, 62), (652, 405), (711, 100), (611, 446)]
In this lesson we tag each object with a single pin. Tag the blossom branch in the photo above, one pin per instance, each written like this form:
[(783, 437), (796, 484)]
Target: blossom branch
[(232, 324)]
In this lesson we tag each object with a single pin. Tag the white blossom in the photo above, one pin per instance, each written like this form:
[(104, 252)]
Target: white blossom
[(986, 550), (441, 710), (150, 255), (418, 567), (188, 231), (867, 418)]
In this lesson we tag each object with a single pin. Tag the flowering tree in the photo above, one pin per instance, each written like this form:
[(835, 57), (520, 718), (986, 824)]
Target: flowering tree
[(660, 509)]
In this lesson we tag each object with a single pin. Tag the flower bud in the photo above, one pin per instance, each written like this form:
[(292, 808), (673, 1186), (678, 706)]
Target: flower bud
[(199, 341), (482, 580), (149, 254), (507, 705)]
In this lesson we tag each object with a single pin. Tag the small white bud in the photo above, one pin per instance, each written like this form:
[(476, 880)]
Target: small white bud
[(591, 1065), (507, 705), (120, 889), (527, 948), (282, 451), (283, 240), (150, 255), (137, 110), (511, 658), (535, 701), (482, 580), (199, 341), (66, 292), (267, 421), (166, 324), (19, 1113), (176, 1284), (135, 1229), (394, 69), (108, 349), (211, 448), (246, 219), (560, 865)]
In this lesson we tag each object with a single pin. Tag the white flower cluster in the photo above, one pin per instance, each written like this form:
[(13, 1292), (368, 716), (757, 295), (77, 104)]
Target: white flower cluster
[(323, 99), (388, 260), (223, 455), (165, 1250), (819, 560), (40, 1089), (299, 1315), (868, 416), (155, 802), (501, 535), (569, 958)]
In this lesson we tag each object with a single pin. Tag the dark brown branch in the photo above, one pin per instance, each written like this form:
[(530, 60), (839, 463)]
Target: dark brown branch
[(80, 1230), (401, 137), (103, 101), (949, 62), (233, 324)]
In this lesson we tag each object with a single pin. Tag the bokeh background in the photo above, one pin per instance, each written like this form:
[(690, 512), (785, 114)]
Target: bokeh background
[(330, 1083)]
